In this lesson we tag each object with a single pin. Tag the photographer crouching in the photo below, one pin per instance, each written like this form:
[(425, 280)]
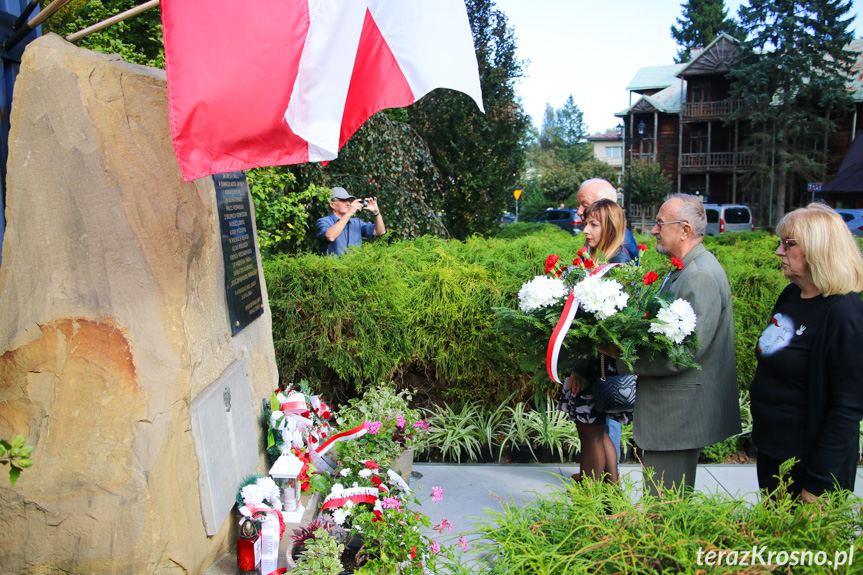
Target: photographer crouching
[(341, 230)]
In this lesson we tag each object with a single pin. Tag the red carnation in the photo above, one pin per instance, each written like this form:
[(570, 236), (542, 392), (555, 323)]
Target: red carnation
[(305, 486), (305, 414), (650, 277), (376, 480), (677, 263), (577, 262), (582, 251), (550, 262), (326, 415), (642, 248), (588, 263), (379, 516), (647, 316), (372, 465)]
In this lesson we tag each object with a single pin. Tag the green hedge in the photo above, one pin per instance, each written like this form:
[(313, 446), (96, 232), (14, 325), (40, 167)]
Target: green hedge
[(425, 306)]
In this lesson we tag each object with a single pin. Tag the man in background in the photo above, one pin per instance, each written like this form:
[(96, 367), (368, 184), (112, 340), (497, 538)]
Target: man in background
[(341, 230), (598, 189)]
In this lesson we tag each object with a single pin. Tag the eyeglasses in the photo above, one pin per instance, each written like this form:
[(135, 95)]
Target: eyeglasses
[(660, 224), (786, 243)]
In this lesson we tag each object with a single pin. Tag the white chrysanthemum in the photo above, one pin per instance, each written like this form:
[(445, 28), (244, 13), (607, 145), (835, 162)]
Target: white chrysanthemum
[(277, 420), (540, 291), (603, 298), (365, 473), (345, 472), (272, 493), (252, 495), (339, 515), (675, 322), (336, 489)]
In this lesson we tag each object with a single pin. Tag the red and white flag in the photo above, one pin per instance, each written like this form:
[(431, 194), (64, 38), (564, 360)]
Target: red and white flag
[(277, 82)]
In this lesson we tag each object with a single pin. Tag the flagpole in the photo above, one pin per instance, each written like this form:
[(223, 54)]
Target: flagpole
[(112, 20), (20, 31)]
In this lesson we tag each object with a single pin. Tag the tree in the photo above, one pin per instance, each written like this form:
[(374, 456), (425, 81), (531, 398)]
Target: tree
[(646, 185), (137, 39), (792, 76), (479, 156), (564, 130), (699, 25)]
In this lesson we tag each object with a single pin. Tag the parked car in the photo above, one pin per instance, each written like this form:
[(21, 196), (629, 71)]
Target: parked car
[(506, 218), (723, 218), (853, 219), (563, 217)]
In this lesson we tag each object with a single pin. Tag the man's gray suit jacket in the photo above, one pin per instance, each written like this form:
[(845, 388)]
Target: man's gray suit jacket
[(684, 408)]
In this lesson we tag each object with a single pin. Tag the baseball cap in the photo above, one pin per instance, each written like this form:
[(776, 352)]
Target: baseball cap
[(341, 194)]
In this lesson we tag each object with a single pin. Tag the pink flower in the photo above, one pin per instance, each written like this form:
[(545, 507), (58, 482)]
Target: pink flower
[(463, 541), (444, 524), (435, 548), (421, 424), (372, 427), (437, 493), (392, 503), (400, 422)]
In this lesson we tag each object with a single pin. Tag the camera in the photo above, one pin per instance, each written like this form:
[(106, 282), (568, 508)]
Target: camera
[(364, 202)]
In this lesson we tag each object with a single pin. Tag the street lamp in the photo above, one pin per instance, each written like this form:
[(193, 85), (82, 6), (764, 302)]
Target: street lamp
[(619, 130)]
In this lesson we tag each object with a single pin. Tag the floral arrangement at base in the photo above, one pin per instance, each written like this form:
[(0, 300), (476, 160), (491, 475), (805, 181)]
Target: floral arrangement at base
[(617, 306), (391, 425)]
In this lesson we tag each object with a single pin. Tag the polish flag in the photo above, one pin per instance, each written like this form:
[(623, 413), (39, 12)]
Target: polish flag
[(277, 82)]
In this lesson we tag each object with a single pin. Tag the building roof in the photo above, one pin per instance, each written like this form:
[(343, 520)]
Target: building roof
[(714, 58), (610, 136), (655, 77), (850, 175), (667, 101)]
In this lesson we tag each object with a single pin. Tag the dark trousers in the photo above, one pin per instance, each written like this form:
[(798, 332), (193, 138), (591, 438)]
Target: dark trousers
[(671, 468)]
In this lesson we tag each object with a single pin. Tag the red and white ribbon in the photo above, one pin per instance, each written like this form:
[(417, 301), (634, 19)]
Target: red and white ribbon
[(295, 403), (355, 494), (343, 436), (563, 324)]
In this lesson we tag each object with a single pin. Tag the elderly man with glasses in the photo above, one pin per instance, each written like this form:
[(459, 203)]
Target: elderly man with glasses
[(341, 230), (680, 410)]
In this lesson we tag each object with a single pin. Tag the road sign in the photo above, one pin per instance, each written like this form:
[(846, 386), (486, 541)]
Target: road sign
[(814, 187), (517, 194)]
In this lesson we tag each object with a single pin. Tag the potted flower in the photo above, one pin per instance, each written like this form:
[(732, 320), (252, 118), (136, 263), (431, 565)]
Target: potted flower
[(395, 536), (321, 557), (393, 429)]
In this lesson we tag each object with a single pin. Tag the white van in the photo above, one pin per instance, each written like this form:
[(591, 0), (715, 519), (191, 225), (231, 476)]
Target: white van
[(723, 218)]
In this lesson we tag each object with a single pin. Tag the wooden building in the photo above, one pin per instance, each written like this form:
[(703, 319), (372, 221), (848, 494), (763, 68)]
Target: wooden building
[(681, 119)]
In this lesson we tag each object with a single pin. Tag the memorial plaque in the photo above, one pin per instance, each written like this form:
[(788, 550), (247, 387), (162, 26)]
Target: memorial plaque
[(224, 434), (242, 283)]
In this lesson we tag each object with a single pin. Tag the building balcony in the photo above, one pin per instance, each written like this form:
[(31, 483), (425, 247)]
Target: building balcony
[(641, 158), (720, 160), (695, 111)]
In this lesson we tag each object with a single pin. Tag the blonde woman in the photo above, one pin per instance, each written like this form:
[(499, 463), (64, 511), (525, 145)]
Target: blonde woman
[(807, 393), (605, 233)]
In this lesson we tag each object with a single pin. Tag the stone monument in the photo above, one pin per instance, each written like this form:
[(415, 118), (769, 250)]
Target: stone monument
[(113, 321)]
